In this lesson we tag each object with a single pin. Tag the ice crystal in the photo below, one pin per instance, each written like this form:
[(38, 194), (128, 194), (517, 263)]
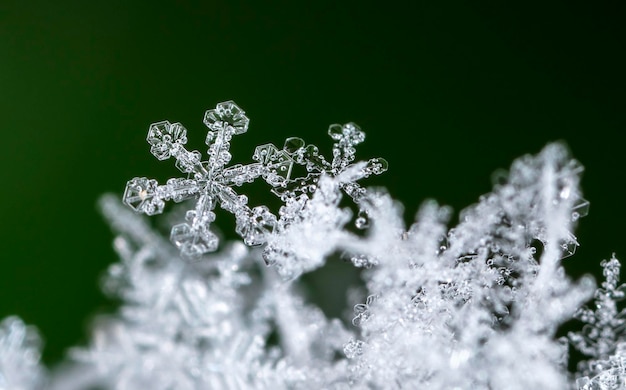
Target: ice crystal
[(20, 347), (607, 374), (602, 338), (484, 308), (314, 232), (296, 152), (211, 182), (202, 325), (473, 306)]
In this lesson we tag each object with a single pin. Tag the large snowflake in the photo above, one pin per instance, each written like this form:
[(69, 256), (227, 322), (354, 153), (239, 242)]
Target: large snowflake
[(210, 182)]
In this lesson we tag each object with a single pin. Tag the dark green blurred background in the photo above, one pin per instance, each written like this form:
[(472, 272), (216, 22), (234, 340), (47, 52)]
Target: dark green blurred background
[(447, 92)]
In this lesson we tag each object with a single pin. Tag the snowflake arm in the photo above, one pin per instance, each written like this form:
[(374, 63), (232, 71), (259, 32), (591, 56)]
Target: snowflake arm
[(225, 121)]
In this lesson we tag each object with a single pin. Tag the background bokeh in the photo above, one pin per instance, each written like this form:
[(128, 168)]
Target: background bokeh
[(447, 92)]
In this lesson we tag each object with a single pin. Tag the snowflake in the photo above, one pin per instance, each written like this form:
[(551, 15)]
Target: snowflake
[(210, 182), (295, 192)]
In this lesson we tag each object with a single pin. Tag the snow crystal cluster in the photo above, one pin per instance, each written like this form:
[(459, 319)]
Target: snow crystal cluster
[(475, 306)]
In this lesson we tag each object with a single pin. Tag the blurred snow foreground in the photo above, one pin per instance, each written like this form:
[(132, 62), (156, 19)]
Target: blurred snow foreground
[(476, 306)]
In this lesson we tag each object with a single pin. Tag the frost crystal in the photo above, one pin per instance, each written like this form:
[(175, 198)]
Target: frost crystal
[(602, 338), (203, 325), (483, 308), (474, 306), (20, 348)]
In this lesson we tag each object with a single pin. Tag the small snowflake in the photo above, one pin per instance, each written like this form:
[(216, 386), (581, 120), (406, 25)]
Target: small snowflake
[(298, 190)]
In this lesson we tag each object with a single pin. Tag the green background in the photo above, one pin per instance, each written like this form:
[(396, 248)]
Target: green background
[(447, 92)]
